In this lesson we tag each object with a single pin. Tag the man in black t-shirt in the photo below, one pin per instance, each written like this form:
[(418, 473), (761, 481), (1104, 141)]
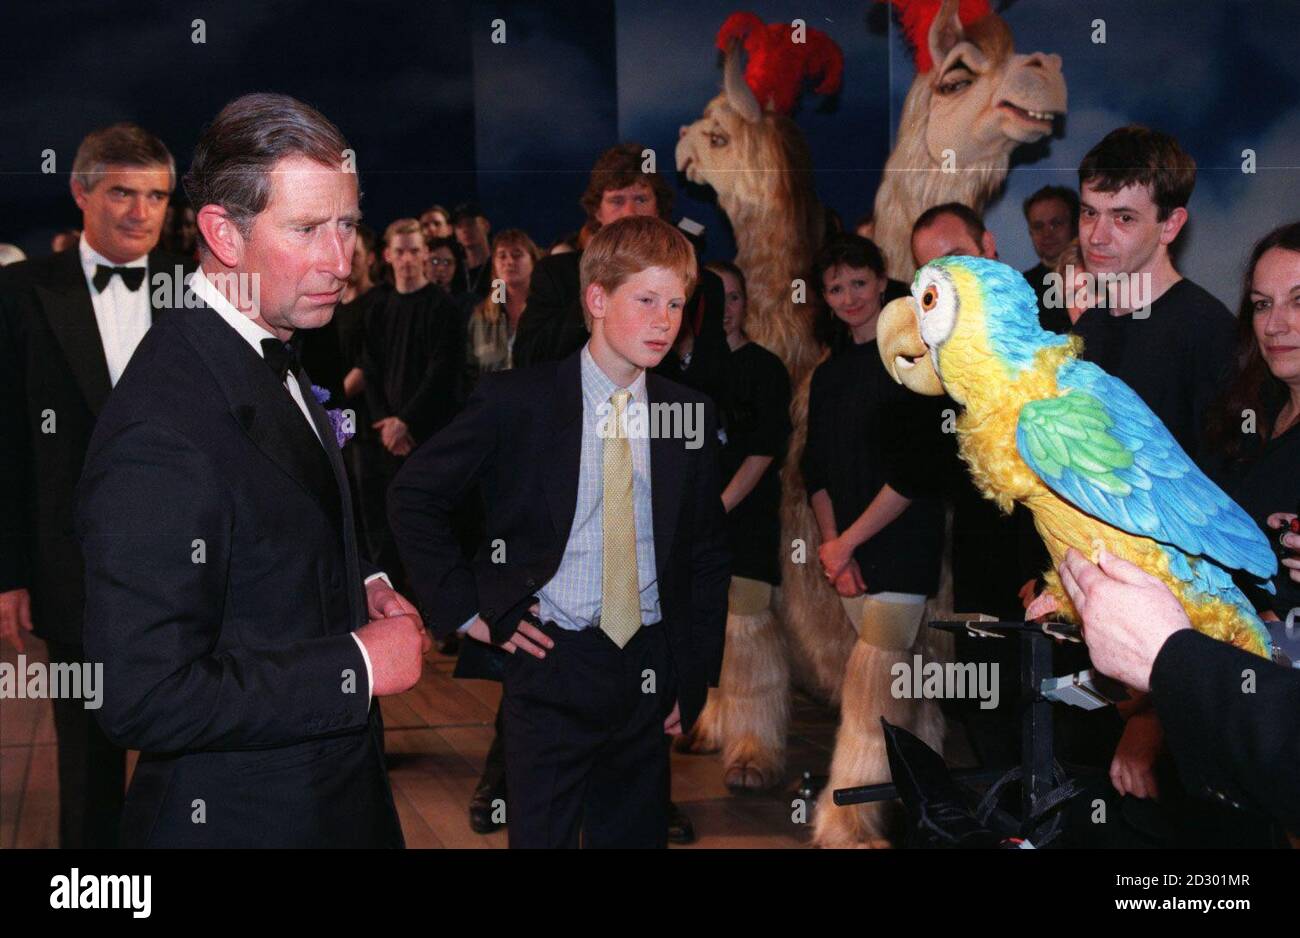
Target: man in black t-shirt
[(1164, 336), (412, 357)]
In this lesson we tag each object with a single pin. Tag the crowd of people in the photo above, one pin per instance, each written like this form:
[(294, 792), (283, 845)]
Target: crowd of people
[(469, 365)]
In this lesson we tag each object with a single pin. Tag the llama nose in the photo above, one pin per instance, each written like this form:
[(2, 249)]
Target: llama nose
[(681, 131)]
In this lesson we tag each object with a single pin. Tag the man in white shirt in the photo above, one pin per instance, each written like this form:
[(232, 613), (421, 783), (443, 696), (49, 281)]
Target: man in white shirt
[(243, 638), (68, 326)]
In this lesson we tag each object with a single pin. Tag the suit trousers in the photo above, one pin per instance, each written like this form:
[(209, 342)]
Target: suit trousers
[(589, 759), (92, 771)]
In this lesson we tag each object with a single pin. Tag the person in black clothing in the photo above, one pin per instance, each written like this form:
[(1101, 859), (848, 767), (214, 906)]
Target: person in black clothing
[(447, 270), (755, 415), (1255, 432), (553, 325), (881, 538), (360, 296), (1167, 338), (472, 230), (986, 544), (1163, 335), (1052, 214), (413, 361), (1239, 750), (69, 324)]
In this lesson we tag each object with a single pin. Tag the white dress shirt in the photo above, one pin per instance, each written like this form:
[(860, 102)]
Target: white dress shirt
[(253, 334), (123, 315)]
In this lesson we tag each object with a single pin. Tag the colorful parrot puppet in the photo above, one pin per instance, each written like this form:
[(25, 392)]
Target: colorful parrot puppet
[(1072, 443)]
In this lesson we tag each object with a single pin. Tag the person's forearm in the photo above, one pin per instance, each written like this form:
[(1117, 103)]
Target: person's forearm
[(883, 511), (744, 481), (354, 382), (824, 512)]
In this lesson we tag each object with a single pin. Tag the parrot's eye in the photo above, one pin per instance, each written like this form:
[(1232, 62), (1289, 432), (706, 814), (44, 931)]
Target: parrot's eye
[(929, 298)]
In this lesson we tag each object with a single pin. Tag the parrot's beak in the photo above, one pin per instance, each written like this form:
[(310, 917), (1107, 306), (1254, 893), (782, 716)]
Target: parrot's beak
[(904, 352)]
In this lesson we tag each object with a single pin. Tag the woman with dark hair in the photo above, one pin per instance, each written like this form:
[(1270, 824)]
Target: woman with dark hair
[(1255, 433), (881, 537), (447, 270), (861, 426)]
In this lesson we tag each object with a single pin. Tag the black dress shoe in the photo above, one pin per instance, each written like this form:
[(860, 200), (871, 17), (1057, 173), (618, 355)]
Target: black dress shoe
[(480, 814), (680, 828), (491, 787)]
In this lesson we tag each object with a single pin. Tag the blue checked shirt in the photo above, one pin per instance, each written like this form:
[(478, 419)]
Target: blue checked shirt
[(572, 597)]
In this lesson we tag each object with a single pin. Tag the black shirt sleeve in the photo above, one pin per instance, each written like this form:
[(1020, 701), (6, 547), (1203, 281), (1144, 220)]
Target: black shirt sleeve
[(1229, 743), (771, 430), (820, 425)]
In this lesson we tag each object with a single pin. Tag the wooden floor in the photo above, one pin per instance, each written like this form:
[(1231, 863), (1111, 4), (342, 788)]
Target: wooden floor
[(437, 736)]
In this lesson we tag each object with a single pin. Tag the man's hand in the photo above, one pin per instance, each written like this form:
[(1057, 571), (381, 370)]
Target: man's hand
[(15, 616), (1127, 614), (396, 646), (835, 555), (383, 601), (527, 637), (673, 723), (1132, 770), (850, 582), (1291, 541), (395, 435)]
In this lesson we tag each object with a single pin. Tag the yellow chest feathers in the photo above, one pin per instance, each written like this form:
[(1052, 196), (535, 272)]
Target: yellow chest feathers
[(986, 430)]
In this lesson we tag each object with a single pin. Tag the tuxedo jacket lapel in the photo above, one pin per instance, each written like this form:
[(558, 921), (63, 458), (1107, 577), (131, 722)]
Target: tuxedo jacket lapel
[(262, 406), (330, 443), (563, 463), (65, 300), (667, 462)]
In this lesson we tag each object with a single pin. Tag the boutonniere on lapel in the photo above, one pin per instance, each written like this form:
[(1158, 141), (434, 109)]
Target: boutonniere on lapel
[(342, 422)]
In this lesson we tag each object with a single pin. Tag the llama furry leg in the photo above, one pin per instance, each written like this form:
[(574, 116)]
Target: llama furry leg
[(860, 757), (706, 735), (755, 687)]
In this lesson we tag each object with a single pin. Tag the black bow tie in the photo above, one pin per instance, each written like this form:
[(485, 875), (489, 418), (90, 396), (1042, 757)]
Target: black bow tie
[(282, 357), (131, 276)]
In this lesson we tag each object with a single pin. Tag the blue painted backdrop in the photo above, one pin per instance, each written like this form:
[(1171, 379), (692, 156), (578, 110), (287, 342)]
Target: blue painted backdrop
[(439, 112)]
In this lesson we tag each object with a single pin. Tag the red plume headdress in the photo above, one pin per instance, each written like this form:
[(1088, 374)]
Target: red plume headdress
[(778, 66), (917, 16)]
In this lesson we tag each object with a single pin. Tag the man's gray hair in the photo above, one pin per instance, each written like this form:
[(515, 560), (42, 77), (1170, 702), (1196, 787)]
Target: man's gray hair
[(237, 151), (123, 144)]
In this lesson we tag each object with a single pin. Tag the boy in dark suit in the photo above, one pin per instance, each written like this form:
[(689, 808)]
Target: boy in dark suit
[(604, 566)]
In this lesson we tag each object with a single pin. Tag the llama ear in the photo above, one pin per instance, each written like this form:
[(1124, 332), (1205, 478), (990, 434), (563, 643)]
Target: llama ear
[(945, 32), (739, 95)]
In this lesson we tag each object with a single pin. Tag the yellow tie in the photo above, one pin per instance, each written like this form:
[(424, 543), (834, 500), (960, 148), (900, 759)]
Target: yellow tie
[(620, 599)]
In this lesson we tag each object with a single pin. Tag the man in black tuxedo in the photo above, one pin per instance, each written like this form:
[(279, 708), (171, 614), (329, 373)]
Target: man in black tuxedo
[(68, 325), (224, 594), (604, 566)]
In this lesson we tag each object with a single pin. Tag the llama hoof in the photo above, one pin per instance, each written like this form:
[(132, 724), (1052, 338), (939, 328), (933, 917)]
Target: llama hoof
[(696, 743), (746, 776)]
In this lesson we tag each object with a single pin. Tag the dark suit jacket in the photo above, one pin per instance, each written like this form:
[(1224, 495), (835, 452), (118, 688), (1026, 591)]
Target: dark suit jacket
[(222, 582), (51, 361), (520, 439), (552, 326), (1242, 749)]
